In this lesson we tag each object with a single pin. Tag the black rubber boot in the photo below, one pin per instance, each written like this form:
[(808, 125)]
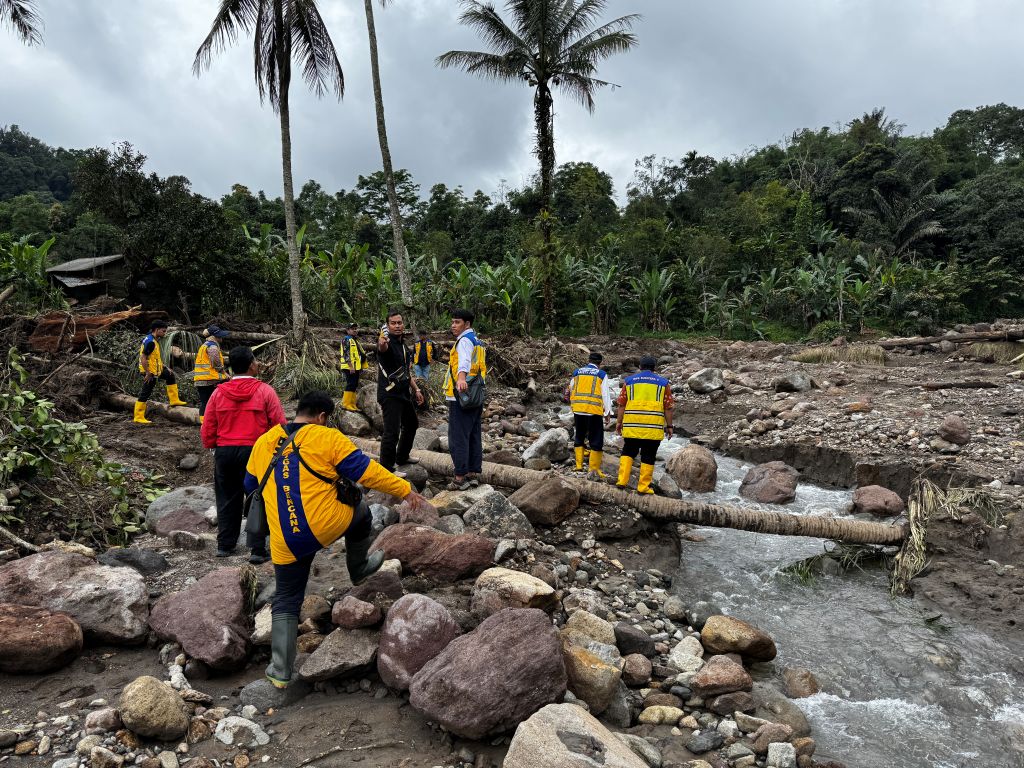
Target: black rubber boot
[(284, 631), (361, 565)]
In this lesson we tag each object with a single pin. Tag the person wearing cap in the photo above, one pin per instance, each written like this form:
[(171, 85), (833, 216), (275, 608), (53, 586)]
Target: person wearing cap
[(151, 366), (209, 367), (591, 402), (240, 411), (645, 418), (353, 360)]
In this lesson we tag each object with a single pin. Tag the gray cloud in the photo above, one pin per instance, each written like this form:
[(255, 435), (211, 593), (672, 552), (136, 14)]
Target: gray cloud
[(718, 77)]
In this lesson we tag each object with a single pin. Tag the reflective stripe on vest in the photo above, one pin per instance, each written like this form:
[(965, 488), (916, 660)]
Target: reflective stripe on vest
[(585, 394), (155, 363), (477, 365), (644, 416), (204, 370)]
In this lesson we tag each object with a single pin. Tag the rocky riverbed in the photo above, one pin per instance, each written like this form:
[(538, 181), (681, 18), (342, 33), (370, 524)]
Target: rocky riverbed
[(523, 628)]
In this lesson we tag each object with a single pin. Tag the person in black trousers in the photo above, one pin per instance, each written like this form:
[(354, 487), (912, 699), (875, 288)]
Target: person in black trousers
[(396, 389)]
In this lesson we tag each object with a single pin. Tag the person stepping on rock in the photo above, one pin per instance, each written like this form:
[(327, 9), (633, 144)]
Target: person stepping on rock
[(311, 500), (151, 366)]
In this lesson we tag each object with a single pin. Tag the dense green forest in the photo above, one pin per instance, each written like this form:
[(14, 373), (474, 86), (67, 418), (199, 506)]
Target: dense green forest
[(830, 231)]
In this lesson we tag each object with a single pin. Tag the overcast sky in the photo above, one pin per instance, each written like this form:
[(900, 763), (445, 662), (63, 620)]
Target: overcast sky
[(718, 76)]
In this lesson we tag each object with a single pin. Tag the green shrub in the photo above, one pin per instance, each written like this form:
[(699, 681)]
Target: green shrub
[(828, 330)]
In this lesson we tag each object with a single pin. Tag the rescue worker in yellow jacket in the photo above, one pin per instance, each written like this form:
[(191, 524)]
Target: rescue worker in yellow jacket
[(151, 366), (310, 502), (353, 361), (591, 402), (210, 369), (645, 418)]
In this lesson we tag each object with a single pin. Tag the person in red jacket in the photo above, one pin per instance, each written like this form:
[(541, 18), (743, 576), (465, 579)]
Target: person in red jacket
[(240, 411)]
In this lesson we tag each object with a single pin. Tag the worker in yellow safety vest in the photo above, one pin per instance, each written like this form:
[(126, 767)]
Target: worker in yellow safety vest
[(466, 376), (210, 369), (353, 360), (422, 356), (151, 366), (644, 420), (591, 401)]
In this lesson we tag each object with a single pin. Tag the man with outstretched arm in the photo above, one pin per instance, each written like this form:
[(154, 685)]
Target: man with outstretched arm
[(311, 501)]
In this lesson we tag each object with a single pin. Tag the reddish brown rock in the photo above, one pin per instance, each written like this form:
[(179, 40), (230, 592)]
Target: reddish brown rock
[(770, 733), (546, 502), (663, 700), (425, 515), (34, 640), (720, 675), (728, 703), (436, 555), (353, 613), (876, 500), (724, 634), (381, 589), (417, 628), (493, 678), (693, 468), (799, 683), (636, 670), (955, 430), (182, 519), (208, 619), (110, 604), (771, 483)]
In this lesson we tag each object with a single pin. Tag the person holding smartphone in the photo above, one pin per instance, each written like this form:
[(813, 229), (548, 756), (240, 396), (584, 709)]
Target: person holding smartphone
[(396, 391)]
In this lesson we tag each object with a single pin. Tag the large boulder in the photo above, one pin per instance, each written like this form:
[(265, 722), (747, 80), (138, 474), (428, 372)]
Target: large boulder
[(111, 605), (499, 588), (193, 498), (796, 381), (565, 736), (208, 619), (424, 515), (366, 401), (493, 678), (720, 675), (546, 502), (34, 640), (344, 650), (693, 468), (354, 424), (496, 518), (955, 430), (706, 380), (553, 445), (876, 500), (148, 562), (724, 634), (182, 519), (457, 502), (416, 629), (770, 483), (153, 709), (436, 555), (593, 671)]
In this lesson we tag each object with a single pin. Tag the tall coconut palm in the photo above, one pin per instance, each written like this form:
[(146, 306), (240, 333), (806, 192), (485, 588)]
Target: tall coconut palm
[(23, 18), (401, 256), (282, 30), (549, 42)]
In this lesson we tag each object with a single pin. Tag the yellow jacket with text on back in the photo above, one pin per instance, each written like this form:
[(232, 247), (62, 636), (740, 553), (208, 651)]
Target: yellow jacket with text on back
[(303, 512), (644, 417)]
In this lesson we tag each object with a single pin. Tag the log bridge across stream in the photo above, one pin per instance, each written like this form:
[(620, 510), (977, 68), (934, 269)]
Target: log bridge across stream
[(655, 508)]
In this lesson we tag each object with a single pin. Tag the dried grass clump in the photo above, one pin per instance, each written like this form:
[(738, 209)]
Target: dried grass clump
[(864, 354), (1002, 352)]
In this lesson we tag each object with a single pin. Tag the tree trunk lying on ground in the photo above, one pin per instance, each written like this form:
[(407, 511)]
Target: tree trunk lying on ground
[(656, 508), (1011, 334), (664, 510), (933, 385)]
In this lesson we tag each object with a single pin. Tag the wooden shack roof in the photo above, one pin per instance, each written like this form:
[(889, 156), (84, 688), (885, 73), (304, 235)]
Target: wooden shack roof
[(85, 265)]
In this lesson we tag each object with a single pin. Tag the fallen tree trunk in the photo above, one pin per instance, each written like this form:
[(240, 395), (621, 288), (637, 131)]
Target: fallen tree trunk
[(664, 510), (6, 294), (933, 385), (1012, 334), (657, 508), (180, 414)]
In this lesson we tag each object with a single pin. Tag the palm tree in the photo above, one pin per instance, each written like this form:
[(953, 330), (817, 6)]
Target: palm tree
[(401, 255), (23, 18), (900, 221), (549, 42), (282, 29)]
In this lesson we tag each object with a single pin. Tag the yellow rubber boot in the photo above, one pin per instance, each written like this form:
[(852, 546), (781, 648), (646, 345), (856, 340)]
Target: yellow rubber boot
[(625, 468), (579, 458), (646, 475), (595, 464), (172, 395), (200, 420), (140, 413), (348, 401)]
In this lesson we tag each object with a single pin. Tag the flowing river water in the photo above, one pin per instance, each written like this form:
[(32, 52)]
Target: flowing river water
[(901, 686)]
